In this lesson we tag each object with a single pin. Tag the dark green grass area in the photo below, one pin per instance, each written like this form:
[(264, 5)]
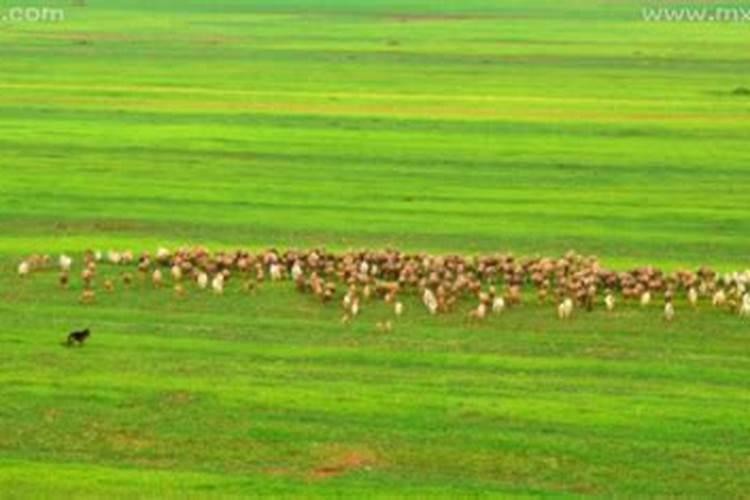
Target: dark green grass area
[(472, 126)]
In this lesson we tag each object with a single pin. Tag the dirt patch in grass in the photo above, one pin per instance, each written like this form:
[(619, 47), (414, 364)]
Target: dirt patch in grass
[(124, 441), (277, 471), (178, 398), (51, 414), (343, 462)]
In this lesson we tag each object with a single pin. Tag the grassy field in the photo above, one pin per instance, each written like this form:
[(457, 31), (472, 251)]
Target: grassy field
[(531, 126)]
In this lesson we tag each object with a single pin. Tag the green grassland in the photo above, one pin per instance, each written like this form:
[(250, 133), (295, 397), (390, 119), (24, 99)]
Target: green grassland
[(459, 126)]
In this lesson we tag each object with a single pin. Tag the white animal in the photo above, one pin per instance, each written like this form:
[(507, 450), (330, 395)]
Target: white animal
[(275, 271), (719, 298), (202, 280), (398, 308), (23, 268), (162, 254), (430, 301), (176, 272), (565, 309), (347, 300), (481, 311), (498, 305), (297, 271), (646, 298), (355, 308), (745, 307), (65, 263), (668, 311), (609, 302), (114, 257), (156, 277), (218, 284)]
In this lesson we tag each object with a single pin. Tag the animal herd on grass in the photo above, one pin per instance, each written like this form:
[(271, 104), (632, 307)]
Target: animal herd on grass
[(490, 283)]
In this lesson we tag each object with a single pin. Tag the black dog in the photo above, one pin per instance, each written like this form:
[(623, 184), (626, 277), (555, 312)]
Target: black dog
[(78, 338)]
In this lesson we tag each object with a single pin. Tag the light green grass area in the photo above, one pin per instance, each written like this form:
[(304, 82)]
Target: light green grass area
[(458, 126)]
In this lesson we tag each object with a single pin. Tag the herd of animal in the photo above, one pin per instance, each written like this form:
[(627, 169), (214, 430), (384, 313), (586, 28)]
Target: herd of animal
[(491, 283)]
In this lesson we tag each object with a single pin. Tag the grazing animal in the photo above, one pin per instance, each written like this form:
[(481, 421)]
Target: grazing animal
[(78, 338), (297, 272), (88, 296), (109, 286), (218, 284), (430, 301), (645, 298), (693, 296), (355, 308), (274, 271), (156, 278), (669, 311), (609, 302), (24, 268), (114, 257), (176, 272), (384, 326), (498, 305), (162, 254), (479, 313), (87, 276), (202, 280), (65, 263), (565, 309), (398, 309), (719, 298), (745, 307)]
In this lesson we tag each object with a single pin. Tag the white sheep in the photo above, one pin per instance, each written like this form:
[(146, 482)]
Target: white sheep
[(430, 301), (297, 271), (114, 257), (218, 284), (609, 302), (398, 309), (668, 311), (565, 309), (176, 272), (275, 271), (65, 263), (498, 305), (202, 280), (162, 253), (480, 312), (24, 268), (745, 307), (719, 298), (156, 278)]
